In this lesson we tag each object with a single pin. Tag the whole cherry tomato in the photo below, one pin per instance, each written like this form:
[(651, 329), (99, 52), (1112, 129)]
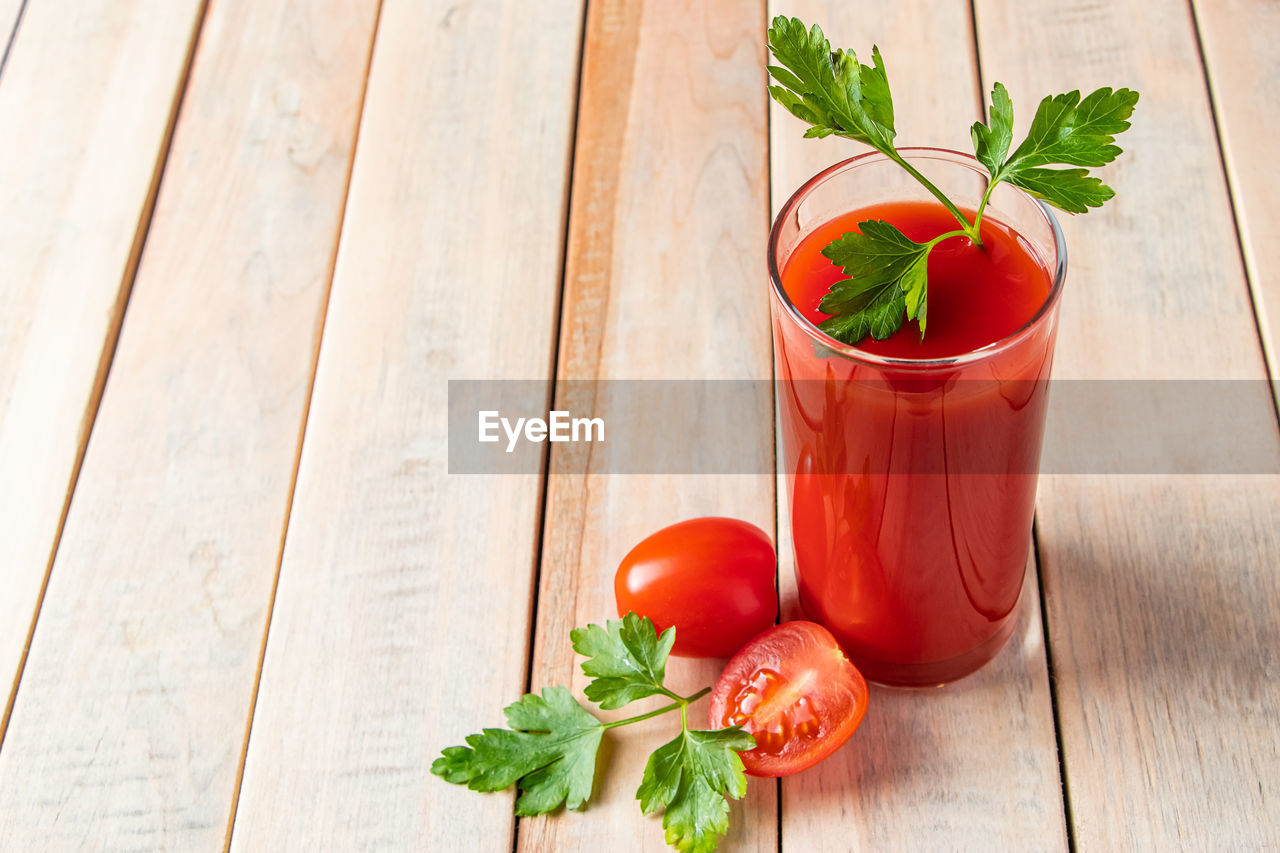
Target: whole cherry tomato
[(797, 694), (712, 578)]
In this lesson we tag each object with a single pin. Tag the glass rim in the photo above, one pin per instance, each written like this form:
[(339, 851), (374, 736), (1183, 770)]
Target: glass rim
[(852, 352)]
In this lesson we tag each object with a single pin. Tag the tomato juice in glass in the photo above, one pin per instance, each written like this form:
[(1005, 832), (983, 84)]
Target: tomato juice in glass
[(911, 465)]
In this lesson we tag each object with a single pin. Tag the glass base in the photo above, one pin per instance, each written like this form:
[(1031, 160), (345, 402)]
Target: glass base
[(935, 673)]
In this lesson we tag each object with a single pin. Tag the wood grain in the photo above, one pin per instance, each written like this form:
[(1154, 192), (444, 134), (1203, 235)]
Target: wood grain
[(1239, 39), (1161, 591), (129, 724), (664, 281), (402, 614), (86, 102), (971, 766)]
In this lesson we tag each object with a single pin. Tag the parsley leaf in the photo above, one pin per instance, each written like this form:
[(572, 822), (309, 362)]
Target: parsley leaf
[(831, 91), (991, 142), (1072, 190), (690, 777), (886, 278), (627, 660), (1065, 131), (1077, 132), (550, 750)]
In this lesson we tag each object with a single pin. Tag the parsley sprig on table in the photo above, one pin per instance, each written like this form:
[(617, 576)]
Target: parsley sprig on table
[(887, 272), (550, 747)]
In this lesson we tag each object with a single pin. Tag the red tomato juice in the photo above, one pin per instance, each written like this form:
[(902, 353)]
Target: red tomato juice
[(912, 463)]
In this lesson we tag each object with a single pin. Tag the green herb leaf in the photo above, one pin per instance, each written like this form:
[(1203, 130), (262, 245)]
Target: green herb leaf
[(1078, 132), (991, 141), (831, 91), (1066, 130), (887, 274), (690, 777), (550, 750), (627, 659), (1072, 190)]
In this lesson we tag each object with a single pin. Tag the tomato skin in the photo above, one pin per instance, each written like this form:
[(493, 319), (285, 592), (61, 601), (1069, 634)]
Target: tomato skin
[(794, 690), (712, 578)]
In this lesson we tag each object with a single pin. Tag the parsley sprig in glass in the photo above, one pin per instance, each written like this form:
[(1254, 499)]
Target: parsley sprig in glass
[(886, 271)]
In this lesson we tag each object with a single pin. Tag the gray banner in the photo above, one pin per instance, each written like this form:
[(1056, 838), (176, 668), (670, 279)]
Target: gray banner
[(961, 427)]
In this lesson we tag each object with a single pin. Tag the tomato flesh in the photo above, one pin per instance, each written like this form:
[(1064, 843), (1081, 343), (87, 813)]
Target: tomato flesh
[(710, 578), (797, 694)]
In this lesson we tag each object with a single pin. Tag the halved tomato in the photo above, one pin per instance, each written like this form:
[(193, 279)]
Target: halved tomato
[(797, 694)]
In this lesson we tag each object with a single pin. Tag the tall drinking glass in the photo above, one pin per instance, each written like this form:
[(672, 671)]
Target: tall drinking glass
[(912, 481)]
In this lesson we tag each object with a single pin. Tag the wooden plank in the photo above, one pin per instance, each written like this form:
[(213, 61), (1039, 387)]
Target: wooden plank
[(972, 765), (129, 724), (667, 230), (85, 109), (402, 614), (1238, 38), (1161, 592)]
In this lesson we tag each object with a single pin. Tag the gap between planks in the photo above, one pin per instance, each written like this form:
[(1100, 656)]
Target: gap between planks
[(1053, 690), (13, 36), (113, 332), (302, 434)]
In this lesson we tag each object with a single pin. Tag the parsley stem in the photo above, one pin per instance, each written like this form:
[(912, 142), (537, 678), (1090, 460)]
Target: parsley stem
[(986, 196), (689, 700), (656, 712), (970, 230), (682, 702), (959, 232)]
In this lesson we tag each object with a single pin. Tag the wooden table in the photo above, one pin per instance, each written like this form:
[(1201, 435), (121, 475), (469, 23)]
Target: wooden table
[(243, 245)]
